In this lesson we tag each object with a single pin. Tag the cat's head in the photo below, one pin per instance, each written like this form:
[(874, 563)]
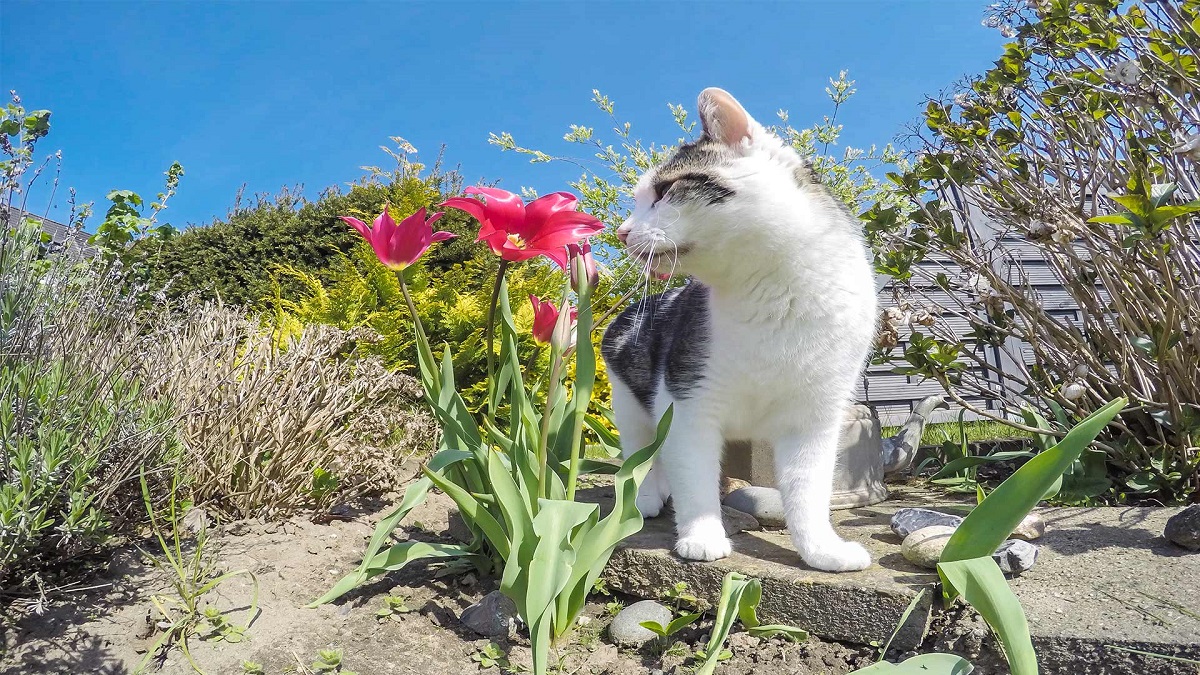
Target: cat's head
[(718, 199)]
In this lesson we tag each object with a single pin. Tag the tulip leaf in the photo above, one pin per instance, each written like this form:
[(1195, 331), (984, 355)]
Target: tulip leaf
[(401, 554), (955, 466), (596, 544), (990, 523), (413, 496), (983, 585), (473, 512), (540, 567)]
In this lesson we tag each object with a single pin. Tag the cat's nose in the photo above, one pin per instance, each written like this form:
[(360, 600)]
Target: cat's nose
[(623, 231)]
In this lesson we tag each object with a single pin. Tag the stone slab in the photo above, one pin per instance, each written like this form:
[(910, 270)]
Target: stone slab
[(1105, 577), (857, 607)]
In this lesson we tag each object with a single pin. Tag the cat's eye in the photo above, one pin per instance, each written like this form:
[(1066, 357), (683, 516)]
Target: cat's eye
[(661, 189)]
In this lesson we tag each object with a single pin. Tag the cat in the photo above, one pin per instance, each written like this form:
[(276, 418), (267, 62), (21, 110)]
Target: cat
[(764, 342)]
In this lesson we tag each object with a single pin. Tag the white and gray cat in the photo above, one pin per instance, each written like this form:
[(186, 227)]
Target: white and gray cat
[(765, 342)]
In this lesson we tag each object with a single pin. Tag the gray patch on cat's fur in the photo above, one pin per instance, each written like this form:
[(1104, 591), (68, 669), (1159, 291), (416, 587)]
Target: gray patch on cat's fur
[(688, 174), (663, 337)]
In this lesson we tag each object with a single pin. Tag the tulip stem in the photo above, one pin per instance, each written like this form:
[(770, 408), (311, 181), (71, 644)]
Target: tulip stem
[(428, 364), (490, 337), (583, 383), (543, 449)]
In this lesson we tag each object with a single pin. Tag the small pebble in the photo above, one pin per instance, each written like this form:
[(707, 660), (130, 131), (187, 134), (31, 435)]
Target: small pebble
[(738, 521), (923, 548), (1015, 556), (1032, 527), (907, 521), (732, 484), (626, 628), (764, 503), (1183, 529)]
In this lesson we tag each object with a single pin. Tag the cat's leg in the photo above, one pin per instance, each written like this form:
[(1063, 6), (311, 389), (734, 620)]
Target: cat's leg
[(804, 466), (638, 429), (691, 458)]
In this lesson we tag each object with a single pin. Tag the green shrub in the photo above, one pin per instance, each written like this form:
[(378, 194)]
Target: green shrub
[(75, 426), (1079, 149), (233, 259)]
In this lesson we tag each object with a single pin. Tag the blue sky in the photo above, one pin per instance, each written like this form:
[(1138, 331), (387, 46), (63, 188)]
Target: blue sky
[(286, 93)]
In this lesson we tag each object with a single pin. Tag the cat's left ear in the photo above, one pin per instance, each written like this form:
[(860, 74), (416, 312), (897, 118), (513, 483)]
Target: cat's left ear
[(722, 117)]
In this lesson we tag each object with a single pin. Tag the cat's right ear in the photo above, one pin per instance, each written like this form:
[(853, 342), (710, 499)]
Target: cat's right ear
[(722, 117)]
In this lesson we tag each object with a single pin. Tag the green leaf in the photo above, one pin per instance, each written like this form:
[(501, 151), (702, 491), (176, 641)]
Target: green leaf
[(956, 466), (473, 512), (597, 543), (1136, 204), (405, 552), (1087, 477), (673, 627), (1112, 219), (539, 568), (912, 605), (982, 584), (924, 664), (1033, 419), (989, 524), (739, 599), (413, 496)]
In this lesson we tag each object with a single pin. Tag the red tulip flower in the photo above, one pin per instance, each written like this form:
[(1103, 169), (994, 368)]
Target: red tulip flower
[(545, 317), (399, 246), (517, 231)]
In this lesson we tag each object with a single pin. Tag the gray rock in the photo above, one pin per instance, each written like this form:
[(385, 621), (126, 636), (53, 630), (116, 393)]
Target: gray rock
[(738, 521), (924, 547), (1183, 528), (493, 616), (764, 503), (1015, 556), (1032, 527), (907, 521), (626, 628)]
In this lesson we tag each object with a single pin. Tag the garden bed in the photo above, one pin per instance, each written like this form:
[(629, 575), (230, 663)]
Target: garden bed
[(1105, 577)]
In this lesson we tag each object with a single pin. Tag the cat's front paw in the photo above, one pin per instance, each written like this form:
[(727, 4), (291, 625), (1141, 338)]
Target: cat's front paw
[(838, 556), (700, 547)]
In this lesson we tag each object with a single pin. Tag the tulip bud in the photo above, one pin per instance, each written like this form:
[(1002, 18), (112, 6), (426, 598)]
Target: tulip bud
[(583, 252)]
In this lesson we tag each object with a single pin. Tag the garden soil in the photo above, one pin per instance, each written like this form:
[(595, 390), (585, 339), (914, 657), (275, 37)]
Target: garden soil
[(107, 626)]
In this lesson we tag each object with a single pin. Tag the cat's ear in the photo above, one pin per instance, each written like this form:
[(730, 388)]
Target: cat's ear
[(722, 117)]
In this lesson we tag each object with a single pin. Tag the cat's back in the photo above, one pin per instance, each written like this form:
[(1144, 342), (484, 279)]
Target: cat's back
[(662, 337)]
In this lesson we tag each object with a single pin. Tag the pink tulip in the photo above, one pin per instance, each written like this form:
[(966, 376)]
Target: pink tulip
[(589, 264), (399, 246), (517, 231), (545, 317)]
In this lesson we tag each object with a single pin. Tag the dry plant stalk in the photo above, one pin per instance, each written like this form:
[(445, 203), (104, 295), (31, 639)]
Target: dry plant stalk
[(1038, 148), (270, 429)]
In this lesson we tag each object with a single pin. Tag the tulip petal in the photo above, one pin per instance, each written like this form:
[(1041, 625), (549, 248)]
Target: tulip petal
[(358, 225), (540, 209), (504, 209), (566, 228), (441, 236), (384, 222)]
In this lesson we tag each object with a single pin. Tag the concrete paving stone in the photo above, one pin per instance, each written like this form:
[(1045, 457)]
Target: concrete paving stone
[(1105, 577)]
